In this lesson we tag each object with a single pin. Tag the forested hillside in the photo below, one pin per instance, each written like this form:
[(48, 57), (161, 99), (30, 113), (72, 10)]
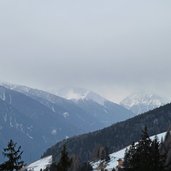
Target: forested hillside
[(116, 136)]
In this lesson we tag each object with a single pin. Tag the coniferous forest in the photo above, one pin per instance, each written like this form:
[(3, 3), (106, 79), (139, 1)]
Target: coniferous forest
[(145, 155)]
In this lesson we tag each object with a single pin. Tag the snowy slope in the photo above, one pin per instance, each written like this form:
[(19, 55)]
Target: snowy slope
[(40, 164), (43, 163), (142, 102), (120, 154)]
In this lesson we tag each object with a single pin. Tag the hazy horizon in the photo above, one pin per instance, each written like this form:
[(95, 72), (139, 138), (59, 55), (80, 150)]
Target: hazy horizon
[(111, 47)]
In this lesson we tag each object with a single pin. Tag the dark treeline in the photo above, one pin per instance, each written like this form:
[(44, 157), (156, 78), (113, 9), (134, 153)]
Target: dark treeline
[(145, 155)]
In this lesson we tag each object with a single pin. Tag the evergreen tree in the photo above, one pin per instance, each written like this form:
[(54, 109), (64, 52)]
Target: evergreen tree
[(75, 163), (64, 162), (53, 167), (144, 155), (129, 156), (158, 160), (86, 167), (13, 154), (102, 153)]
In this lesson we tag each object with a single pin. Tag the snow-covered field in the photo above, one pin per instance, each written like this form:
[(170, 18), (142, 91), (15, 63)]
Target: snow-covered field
[(120, 154), (40, 164)]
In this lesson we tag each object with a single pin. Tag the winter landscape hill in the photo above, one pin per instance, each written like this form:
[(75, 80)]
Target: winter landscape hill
[(37, 119), (116, 136), (112, 163)]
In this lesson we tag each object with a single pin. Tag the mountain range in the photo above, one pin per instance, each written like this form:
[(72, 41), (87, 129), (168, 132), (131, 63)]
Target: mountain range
[(37, 119), (137, 102)]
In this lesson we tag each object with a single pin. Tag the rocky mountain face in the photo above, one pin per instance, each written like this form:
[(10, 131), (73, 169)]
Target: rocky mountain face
[(103, 110), (31, 124), (90, 108), (37, 119)]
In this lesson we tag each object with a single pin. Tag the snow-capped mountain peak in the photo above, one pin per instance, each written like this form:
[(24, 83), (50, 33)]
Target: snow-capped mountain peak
[(143, 101), (77, 94)]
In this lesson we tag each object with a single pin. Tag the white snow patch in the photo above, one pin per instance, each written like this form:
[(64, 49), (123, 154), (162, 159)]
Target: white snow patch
[(120, 154), (40, 164), (29, 136), (53, 109), (66, 137), (4, 97), (54, 132), (66, 114), (11, 125), (73, 95), (143, 98)]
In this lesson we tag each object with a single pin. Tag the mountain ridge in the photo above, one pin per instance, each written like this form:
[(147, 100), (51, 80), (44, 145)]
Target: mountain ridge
[(51, 118), (77, 94), (140, 102), (116, 136)]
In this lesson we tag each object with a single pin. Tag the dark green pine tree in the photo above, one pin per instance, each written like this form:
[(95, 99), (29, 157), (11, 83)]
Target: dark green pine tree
[(85, 167), (142, 157), (129, 156), (145, 155), (13, 155), (103, 153), (157, 160), (65, 162)]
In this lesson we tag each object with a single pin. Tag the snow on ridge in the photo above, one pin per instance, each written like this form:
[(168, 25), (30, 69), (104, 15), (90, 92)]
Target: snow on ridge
[(77, 94), (71, 94), (40, 164), (120, 154), (141, 102), (143, 98)]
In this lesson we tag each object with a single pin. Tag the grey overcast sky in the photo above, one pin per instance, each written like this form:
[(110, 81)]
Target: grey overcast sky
[(113, 47)]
